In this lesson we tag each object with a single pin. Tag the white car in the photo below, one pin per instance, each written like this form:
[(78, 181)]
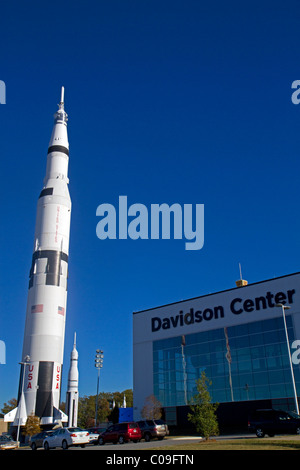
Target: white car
[(66, 437), (93, 437)]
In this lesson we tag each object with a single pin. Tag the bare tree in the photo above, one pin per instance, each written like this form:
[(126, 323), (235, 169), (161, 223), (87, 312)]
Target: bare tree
[(152, 408)]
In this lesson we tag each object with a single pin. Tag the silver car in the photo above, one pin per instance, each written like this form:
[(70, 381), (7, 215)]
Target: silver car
[(7, 442), (153, 428)]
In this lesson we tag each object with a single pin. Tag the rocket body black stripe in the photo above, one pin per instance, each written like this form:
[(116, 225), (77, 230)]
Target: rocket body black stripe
[(48, 253), (44, 401), (58, 148), (46, 192), (53, 269)]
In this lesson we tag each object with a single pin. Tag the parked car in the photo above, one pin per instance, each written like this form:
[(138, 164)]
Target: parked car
[(122, 432), (152, 428), (93, 437), (273, 422), (7, 442), (95, 434), (37, 440), (66, 437)]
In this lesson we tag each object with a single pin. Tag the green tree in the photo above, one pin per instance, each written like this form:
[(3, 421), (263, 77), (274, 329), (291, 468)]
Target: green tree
[(203, 411), (9, 406), (86, 411), (103, 409)]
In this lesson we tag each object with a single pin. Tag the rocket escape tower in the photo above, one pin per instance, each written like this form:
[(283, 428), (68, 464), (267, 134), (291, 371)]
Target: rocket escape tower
[(43, 345)]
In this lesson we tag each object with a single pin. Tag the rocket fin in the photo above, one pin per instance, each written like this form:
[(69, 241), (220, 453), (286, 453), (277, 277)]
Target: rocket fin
[(10, 416), (59, 415), (18, 415)]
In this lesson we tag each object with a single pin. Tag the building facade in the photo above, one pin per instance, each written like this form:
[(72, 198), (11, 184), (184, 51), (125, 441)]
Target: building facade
[(237, 337)]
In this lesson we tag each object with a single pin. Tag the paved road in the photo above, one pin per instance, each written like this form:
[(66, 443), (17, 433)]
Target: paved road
[(146, 445), (171, 441)]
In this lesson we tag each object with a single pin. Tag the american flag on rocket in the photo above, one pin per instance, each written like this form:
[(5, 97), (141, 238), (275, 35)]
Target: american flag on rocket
[(37, 308), (61, 310)]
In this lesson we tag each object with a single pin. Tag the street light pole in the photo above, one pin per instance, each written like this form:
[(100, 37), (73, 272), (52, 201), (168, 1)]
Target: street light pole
[(98, 364), (286, 307), (24, 364)]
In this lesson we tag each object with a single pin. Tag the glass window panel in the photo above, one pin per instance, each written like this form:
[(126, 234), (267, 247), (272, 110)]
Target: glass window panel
[(262, 392), (231, 332), (277, 391), (241, 342), (237, 394), (269, 325), (281, 336), (275, 377), (258, 352), (219, 396), (216, 334), (245, 379), (289, 321), (192, 339), (255, 327), (244, 354), (241, 330), (291, 334), (296, 371), (231, 342), (260, 378), (217, 357), (200, 361), (259, 365), (203, 348), (218, 382), (256, 340), (273, 350), (191, 350), (217, 369), (270, 337), (204, 337), (247, 393), (218, 345), (274, 362)]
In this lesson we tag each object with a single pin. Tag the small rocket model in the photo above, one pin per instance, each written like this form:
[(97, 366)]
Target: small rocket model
[(43, 346), (72, 391)]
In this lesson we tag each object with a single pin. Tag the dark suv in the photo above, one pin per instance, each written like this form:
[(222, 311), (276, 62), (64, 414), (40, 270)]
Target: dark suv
[(122, 432), (153, 428), (273, 422)]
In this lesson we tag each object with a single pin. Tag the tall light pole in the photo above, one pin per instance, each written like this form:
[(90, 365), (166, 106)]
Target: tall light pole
[(98, 364), (286, 307), (24, 364)]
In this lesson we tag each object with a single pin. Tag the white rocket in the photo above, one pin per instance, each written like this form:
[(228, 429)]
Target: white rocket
[(72, 390), (43, 345)]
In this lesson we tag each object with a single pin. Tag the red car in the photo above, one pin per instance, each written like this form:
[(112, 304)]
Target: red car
[(121, 432)]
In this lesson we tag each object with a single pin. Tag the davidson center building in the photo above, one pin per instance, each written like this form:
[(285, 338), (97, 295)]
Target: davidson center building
[(237, 337)]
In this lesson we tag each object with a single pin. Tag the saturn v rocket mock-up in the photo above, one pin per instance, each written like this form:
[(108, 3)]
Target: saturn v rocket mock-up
[(43, 346)]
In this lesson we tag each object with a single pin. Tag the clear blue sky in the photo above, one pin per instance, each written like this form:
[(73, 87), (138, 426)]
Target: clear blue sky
[(168, 101)]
